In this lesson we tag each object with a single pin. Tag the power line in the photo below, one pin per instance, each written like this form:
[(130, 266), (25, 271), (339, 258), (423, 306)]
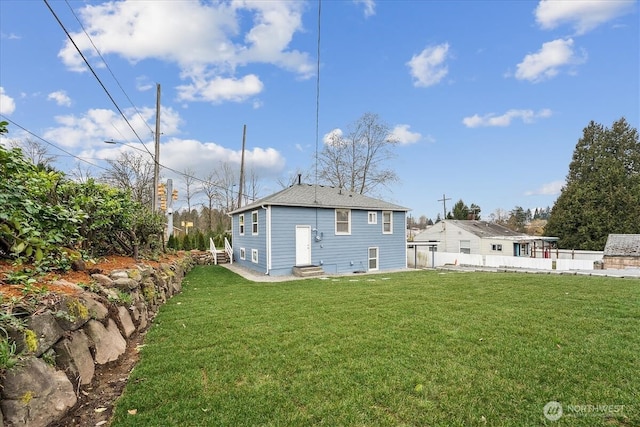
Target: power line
[(50, 143), (101, 167), (96, 75), (318, 95), (107, 65)]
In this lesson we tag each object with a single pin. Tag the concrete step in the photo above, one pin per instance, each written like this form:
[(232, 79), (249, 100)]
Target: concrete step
[(308, 271)]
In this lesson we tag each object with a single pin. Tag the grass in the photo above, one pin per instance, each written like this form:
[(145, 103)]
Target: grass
[(419, 348)]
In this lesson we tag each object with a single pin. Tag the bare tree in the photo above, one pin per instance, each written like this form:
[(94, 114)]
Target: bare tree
[(227, 178), (191, 188), (132, 172), (499, 216), (81, 175), (356, 161), (292, 178), (35, 151), (211, 190), (253, 187)]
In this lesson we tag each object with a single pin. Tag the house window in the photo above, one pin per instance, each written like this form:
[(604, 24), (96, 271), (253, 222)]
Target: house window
[(254, 255), (465, 246), (496, 248), (373, 258), (241, 224), (387, 222), (343, 221), (254, 222), (243, 253), (373, 217)]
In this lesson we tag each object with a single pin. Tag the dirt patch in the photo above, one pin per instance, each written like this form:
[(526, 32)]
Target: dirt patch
[(96, 401)]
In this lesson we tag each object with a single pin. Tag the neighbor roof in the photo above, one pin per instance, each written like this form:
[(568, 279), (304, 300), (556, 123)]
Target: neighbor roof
[(622, 245), (486, 229), (320, 196)]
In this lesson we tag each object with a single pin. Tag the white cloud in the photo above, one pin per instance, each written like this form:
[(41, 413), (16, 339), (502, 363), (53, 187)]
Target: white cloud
[(331, 137), (143, 84), (548, 189), (583, 15), (10, 36), (204, 157), (428, 67), (7, 104), (369, 7), (95, 126), (60, 97), (404, 136), (488, 120), (220, 89), (547, 62), (207, 41)]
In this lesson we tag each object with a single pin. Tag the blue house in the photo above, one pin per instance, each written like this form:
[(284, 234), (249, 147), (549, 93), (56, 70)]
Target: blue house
[(334, 229)]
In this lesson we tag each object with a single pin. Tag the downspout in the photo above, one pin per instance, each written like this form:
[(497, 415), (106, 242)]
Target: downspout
[(268, 242)]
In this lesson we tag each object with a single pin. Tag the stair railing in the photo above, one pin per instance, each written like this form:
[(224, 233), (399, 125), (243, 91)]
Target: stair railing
[(213, 250), (229, 250)]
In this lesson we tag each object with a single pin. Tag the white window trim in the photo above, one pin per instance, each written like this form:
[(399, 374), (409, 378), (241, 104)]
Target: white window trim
[(390, 222), (256, 224), (372, 218), (243, 253), (343, 233), (377, 258), (241, 224), (254, 256)]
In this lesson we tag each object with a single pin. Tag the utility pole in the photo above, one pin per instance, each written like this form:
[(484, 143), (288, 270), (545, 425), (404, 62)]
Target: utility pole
[(156, 157), (244, 136), (444, 203)]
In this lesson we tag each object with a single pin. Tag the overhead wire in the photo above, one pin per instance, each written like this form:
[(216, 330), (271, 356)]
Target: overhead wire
[(317, 98), (213, 184), (96, 75), (104, 61), (50, 143), (112, 100)]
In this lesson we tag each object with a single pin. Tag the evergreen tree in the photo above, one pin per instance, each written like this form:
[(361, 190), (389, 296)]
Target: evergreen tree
[(602, 193), (460, 210), (186, 243)]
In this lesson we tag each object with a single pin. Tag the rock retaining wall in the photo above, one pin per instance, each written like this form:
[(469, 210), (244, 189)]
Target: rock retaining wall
[(89, 327)]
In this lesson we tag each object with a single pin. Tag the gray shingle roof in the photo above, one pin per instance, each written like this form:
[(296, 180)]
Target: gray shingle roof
[(622, 245), (309, 195), (486, 229)]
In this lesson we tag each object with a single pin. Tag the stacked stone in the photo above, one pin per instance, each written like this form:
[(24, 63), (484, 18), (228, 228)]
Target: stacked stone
[(84, 330)]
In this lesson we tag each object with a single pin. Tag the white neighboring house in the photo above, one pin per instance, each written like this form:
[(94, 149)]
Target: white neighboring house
[(484, 238)]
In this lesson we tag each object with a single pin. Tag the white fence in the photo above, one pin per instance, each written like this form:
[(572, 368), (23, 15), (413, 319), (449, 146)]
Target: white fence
[(428, 259)]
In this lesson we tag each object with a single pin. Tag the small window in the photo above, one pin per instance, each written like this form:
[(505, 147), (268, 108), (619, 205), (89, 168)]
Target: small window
[(241, 224), (387, 222), (373, 258), (373, 217), (465, 246), (254, 255), (254, 222), (243, 253), (496, 248), (343, 221)]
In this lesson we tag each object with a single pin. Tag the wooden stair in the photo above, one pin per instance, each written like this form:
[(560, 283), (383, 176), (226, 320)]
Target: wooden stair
[(308, 271), (223, 257)]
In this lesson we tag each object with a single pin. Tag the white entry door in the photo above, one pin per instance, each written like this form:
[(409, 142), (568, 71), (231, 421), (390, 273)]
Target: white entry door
[(303, 245)]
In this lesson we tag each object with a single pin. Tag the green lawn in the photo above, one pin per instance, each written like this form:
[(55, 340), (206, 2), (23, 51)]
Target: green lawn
[(421, 348)]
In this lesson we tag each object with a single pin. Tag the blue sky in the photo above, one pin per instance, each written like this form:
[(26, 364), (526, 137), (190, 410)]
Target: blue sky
[(488, 98)]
